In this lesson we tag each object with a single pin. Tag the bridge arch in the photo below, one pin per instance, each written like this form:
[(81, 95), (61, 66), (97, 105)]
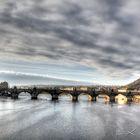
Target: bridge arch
[(84, 96), (44, 95), (103, 98), (24, 95), (65, 96), (136, 98), (121, 99)]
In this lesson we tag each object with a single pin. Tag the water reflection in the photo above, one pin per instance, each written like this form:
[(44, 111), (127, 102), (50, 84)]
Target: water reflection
[(84, 97), (24, 95), (45, 95), (26, 119), (103, 99), (67, 97)]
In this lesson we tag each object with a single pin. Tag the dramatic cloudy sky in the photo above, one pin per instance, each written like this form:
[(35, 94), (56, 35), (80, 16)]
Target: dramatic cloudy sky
[(62, 41)]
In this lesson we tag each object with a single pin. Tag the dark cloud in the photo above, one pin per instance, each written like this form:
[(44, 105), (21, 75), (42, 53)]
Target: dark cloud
[(102, 34)]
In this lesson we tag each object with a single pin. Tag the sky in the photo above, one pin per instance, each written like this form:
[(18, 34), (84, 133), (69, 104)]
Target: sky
[(69, 41)]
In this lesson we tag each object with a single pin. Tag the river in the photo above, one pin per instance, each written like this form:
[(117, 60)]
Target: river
[(43, 119)]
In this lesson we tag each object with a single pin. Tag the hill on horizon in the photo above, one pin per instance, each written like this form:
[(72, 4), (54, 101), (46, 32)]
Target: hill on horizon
[(133, 85)]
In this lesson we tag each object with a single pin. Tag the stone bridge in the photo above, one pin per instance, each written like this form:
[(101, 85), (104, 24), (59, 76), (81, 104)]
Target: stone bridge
[(56, 92)]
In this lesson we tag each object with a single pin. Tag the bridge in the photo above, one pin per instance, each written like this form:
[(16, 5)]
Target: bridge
[(74, 92)]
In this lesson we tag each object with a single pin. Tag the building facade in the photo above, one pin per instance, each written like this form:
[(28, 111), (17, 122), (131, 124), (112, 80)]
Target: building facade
[(4, 85)]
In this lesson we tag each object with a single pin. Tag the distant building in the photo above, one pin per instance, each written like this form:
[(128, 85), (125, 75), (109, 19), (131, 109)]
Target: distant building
[(122, 90), (4, 85)]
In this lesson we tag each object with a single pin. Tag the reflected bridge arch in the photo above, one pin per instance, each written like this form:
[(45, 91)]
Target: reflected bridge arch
[(65, 95), (103, 98), (44, 95), (24, 94), (85, 96)]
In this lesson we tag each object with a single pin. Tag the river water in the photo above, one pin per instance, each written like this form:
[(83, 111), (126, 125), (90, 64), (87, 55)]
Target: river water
[(43, 119)]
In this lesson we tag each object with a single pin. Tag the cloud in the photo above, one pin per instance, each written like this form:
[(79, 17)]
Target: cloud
[(35, 79), (102, 34)]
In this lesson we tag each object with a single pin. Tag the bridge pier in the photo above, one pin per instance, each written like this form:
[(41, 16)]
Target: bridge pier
[(129, 99), (93, 95), (75, 98), (54, 97), (14, 94), (94, 98), (34, 94), (112, 98), (34, 97)]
